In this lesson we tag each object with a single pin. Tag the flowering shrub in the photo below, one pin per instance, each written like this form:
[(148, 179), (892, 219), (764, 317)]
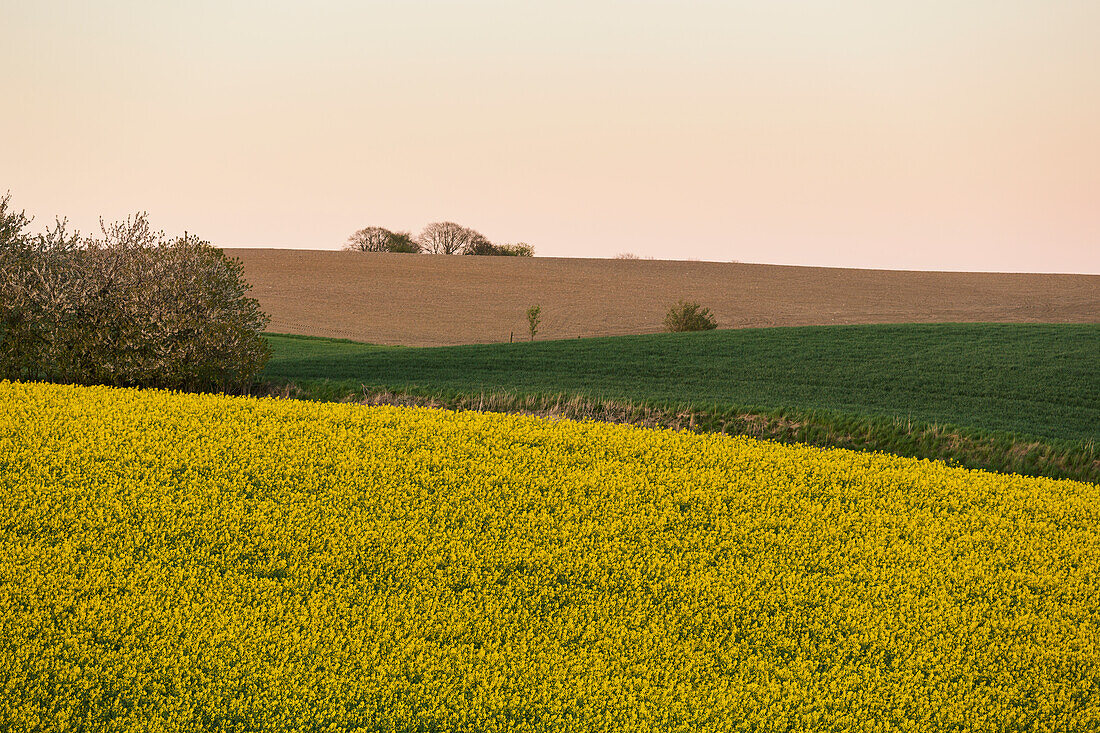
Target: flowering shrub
[(199, 562), (131, 308)]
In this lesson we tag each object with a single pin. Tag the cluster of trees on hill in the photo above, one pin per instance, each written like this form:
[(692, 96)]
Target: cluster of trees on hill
[(440, 238), (130, 307)]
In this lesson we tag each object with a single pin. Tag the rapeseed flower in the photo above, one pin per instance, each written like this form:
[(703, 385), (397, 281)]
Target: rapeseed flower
[(174, 562)]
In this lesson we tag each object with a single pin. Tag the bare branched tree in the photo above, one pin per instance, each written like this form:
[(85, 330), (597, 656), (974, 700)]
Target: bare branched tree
[(370, 239), (448, 238), (380, 239)]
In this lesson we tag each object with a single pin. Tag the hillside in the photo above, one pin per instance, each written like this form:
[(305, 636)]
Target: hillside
[(435, 300), (1032, 380)]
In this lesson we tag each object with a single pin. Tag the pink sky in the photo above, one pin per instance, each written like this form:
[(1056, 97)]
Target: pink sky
[(856, 133)]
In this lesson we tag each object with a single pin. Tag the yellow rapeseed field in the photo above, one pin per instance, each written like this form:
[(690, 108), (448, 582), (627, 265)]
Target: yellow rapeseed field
[(178, 562)]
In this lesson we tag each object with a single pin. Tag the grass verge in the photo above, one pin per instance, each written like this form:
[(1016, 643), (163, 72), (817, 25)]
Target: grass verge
[(1022, 398), (987, 450)]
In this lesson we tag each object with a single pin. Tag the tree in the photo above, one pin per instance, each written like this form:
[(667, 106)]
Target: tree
[(129, 308), (448, 238), (520, 249), (380, 239), (12, 224), (482, 246), (689, 317), (38, 291), (479, 245), (534, 316), (16, 274), (173, 312), (403, 242), (369, 239)]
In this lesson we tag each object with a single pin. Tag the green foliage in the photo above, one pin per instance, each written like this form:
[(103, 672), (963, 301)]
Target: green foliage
[(131, 308), (480, 246), (689, 317), (483, 247), (402, 242), (521, 249), (534, 316)]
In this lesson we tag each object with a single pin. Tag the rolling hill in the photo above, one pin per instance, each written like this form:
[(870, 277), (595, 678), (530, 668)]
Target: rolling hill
[(437, 300)]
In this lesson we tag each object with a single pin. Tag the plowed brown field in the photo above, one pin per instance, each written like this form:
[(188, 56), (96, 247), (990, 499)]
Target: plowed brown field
[(429, 300)]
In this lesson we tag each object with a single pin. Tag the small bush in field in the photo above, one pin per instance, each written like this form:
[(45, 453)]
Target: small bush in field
[(482, 246), (534, 315), (686, 316), (521, 249)]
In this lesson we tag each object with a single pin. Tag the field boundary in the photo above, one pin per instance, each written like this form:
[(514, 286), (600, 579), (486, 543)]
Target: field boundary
[(954, 445)]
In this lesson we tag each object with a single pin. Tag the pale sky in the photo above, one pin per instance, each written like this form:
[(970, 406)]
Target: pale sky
[(940, 134)]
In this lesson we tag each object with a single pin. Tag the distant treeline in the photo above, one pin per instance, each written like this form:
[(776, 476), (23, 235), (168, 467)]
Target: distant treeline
[(439, 238)]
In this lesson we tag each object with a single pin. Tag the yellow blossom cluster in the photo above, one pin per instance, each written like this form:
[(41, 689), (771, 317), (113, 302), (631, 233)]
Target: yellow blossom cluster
[(174, 562)]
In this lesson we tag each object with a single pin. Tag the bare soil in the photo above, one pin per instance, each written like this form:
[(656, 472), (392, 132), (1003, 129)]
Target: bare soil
[(437, 300)]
